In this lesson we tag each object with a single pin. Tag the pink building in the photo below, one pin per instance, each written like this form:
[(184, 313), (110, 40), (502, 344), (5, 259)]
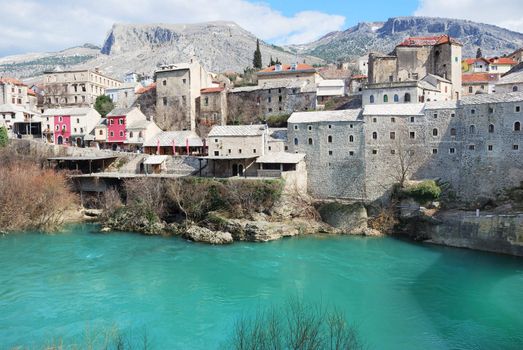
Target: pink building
[(116, 128), (128, 128), (62, 129)]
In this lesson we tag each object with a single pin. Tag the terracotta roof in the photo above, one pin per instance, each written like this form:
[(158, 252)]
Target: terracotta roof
[(428, 41), (7, 80), (31, 92), (479, 77), (502, 60), (211, 90), (359, 76), (286, 68), (146, 89)]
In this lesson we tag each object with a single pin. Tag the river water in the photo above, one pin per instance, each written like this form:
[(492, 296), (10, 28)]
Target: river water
[(188, 296)]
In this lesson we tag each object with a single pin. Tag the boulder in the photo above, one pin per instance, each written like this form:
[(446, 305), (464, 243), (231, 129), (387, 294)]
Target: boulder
[(347, 218), (204, 235), (263, 231)]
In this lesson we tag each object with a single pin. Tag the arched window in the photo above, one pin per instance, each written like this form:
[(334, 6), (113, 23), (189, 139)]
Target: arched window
[(131, 134), (407, 97), (351, 138), (140, 134), (374, 135), (396, 98), (491, 128), (121, 133), (515, 88), (329, 139), (517, 126), (385, 98), (310, 141), (295, 140), (472, 129), (453, 132), (434, 132), (371, 99)]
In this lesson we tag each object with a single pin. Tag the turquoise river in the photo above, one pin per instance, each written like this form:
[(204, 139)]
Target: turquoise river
[(400, 295)]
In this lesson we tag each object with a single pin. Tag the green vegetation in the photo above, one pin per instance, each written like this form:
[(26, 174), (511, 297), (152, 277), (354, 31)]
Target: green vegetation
[(273, 62), (3, 136), (423, 192), (257, 59), (296, 325), (103, 105), (277, 121)]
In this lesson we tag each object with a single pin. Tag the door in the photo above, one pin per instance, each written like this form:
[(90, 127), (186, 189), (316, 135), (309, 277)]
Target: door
[(60, 140), (78, 142), (240, 169), (235, 170)]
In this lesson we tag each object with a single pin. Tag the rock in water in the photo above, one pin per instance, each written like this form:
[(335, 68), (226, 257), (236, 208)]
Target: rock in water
[(204, 235)]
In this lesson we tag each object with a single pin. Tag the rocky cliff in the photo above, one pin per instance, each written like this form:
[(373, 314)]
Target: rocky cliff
[(383, 36)]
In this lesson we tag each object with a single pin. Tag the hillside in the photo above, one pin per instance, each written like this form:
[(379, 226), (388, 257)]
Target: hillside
[(383, 36)]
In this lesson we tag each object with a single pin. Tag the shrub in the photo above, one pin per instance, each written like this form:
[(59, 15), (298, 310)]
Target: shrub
[(385, 220), (424, 192), (3, 136), (278, 121)]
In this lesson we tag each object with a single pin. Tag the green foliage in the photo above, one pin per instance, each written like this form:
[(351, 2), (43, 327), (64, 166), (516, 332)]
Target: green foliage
[(278, 121), (257, 59), (423, 192), (103, 105), (3, 136), (273, 62)]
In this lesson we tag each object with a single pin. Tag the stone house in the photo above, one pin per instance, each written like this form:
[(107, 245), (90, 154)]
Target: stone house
[(517, 55), (75, 88), (356, 84), (211, 109), (125, 95), (328, 89), (129, 128), (69, 126), (479, 83), (283, 72), (510, 82), (178, 86), (416, 58)]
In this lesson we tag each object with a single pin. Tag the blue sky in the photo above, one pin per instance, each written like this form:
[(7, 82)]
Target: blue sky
[(52, 25)]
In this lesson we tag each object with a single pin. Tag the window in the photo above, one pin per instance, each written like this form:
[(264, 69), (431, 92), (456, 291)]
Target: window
[(393, 151), (490, 147), (406, 98), (112, 133), (270, 110), (452, 132), (270, 148), (295, 127), (131, 134), (374, 151), (518, 109), (206, 101), (329, 139), (435, 115), (57, 128), (371, 99), (164, 82), (164, 101), (392, 120), (517, 126), (279, 90), (472, 147), (374, 135), (472, 129), (184, 81), (330, 153), (309, 127), (216, 153), (515, 88), (351, 126), (351, 138), (184, 100), (229, 151), (490, 110), (120, 121), (75, 130), (309, 141), (385, 98), (121, 133), (374, 120), (140, 134), (60, 119), (452, 150), (392, 135), (240, 151), (254, 150), (470, 89), (280, 98), (412, 119), (515, 147), (412, 135), (472, 111), (351, 153), (491, 128), (78, 120), (216, 140), (295, 140), (434, 151), (396, 98), (330, 126), (100, 132), (434, 132), (452, 115), (269, 99)]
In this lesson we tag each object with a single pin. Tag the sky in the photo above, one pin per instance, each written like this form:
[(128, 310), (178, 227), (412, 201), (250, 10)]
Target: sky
[(52, 25)]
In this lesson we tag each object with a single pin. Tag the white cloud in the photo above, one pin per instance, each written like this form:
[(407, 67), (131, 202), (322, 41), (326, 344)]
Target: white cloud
[(507, 13), (33, 25)]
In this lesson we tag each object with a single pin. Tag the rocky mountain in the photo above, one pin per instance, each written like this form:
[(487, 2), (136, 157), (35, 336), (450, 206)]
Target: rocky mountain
[(383, 36), (219, 46)]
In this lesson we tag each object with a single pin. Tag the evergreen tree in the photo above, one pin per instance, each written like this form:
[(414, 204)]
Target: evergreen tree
[(479, 54), (277, 61), (272, 63), (257, 60), (103, 105), (3, 136)]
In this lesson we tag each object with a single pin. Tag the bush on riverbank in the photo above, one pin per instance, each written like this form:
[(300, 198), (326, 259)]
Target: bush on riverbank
[(423, 192), (32, 198)]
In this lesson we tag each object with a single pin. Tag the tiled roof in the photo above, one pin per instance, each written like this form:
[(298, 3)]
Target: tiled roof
[(288, 68), (394, 109), (441, 104), (428, 41), (359, 76), (304, 86), (325, 116), (68, 111), (492, 98), (13, 81), (277, 134), (237, 130), (166, 139), (211, 90), (479, 78), (31, 92), (117, 112), (145, 89), (139, 124), (502, 60)]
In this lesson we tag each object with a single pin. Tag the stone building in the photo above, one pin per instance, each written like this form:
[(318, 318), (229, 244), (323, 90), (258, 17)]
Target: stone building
[(69, 126), (511, 82), (211, 109), (125, 95), (178, 86), (474, 145), (75, 88), (328, 89), (283, 72), (413, 60), (479, 83)]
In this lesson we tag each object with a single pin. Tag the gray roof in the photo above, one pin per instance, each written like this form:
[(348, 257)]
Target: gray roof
[(120, 111), (281, 157), (237, 130), (68, 111), (301, 84), (139, 124), (492, 98), (277, 134), (452, 104), (394, 109), (325, 116), (9, 107), (512, 78), (166, 139)]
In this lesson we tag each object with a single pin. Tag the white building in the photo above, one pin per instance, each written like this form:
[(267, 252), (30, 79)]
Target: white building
[(329, 88)]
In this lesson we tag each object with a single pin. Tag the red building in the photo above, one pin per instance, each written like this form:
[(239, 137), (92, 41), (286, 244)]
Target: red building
[(62, 129)]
